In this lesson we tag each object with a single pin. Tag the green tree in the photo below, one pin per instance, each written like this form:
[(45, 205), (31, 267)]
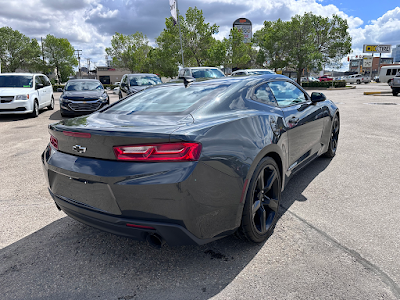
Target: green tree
[(307, 41), (18, 51), (60, 55), (238, 52), (130, 51), (197, 39), (271, 40)]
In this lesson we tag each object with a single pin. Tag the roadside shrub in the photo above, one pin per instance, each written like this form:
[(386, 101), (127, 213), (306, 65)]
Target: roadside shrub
[(57, 86), (324, 84)]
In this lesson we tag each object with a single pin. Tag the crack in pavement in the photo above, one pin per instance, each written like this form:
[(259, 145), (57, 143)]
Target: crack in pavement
[(367, 264)]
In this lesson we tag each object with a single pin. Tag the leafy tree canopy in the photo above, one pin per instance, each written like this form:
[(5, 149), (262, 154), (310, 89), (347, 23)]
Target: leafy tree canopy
[(18, 51), (307, 41), (60, 55), (130, 51)]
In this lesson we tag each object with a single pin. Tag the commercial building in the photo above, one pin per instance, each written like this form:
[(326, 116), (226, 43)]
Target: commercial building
[(396, 53), (356, 65), (110, 75)]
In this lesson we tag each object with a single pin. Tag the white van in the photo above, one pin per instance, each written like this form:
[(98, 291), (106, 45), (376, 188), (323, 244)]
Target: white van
[(388, 72), (25, 93)]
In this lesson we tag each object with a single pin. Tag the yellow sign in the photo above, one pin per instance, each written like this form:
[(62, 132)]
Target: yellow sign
[(377, 48), (278, 72), (370, 49)]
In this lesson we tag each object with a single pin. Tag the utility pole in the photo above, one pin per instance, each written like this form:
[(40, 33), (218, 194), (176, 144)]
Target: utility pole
[(88, 63), (79, 60)]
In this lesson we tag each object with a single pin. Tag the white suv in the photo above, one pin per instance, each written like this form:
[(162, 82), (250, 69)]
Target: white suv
[(25, 93)]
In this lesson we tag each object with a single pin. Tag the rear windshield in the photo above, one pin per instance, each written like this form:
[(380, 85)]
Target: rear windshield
[(143, 80), (207, 73), (16, 81), (174, 99), (83, 86)]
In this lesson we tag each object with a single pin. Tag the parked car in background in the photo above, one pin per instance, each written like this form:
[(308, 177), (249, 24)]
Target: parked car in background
[(201, 72), (325, 78), (395, 84), (357, 78), (25, 93), (133, 83), (189, 165), (376, 78), (82, 96), (313, 79), (252, 72), (387, 73)]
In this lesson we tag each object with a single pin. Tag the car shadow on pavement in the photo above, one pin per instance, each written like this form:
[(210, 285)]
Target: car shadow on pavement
[(13, 118), (299, 182), (69, 260), (56, 116)]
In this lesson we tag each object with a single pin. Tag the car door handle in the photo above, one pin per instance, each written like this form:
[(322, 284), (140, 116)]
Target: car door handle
[(293, 120)]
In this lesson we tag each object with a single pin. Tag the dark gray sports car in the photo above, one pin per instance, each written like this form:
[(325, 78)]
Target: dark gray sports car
[(189, 165)]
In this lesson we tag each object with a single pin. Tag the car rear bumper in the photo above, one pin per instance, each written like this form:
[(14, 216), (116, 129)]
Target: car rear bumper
[(173, 234), (199, 201)]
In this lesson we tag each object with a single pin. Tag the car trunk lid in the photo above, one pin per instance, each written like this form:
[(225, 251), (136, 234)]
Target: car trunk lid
[(97, 134)]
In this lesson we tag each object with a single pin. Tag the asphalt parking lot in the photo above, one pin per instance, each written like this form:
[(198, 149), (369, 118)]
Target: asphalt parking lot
[(337, 237)]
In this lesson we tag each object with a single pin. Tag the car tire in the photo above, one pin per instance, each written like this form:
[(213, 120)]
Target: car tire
[(395, 93), (51, 106), (358, 81), (35, 111), (334, 137), (260, 212)]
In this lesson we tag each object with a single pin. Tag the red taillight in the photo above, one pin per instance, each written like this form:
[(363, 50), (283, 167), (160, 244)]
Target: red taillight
[(159, 152), (77, 134), (54, 142)]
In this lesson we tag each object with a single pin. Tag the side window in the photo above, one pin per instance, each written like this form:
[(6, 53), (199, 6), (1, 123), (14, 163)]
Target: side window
[(39, 79), (264, 95), (46, 81), (186, 73), (388, 72), (394, 71), (286, 93)]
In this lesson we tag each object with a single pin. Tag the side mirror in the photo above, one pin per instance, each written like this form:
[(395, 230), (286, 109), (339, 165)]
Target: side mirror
[(187, 81), (39, 85), (123, 84), (317, 97)]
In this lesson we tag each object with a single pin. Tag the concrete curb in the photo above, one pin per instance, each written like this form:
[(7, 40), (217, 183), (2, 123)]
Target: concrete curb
[(330, 89), (373, 93)]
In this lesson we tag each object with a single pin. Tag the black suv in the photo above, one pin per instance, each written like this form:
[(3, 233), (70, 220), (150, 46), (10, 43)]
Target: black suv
[(82, 96)]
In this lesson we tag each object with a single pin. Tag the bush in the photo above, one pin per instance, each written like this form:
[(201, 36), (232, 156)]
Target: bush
[(324, 84), (57, 86)]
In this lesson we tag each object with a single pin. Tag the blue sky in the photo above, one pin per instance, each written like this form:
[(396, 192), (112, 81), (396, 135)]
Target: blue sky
[(90, 24), (366, 10)]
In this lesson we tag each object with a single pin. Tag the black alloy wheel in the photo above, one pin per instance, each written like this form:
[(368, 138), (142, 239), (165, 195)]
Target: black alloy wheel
[(51, 106), (333, 142), (395, 92), (260, 211), (35, 111)]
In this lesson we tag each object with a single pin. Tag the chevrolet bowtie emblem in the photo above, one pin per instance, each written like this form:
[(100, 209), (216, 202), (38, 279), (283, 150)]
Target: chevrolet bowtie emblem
[(79, 148)]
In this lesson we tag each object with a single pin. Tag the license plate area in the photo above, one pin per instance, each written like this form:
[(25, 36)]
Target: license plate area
[(90, 193)]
